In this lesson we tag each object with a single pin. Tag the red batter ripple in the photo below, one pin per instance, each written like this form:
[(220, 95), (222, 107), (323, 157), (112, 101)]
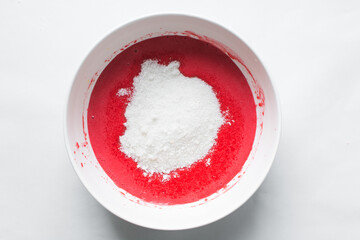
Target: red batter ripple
[(197, 59)]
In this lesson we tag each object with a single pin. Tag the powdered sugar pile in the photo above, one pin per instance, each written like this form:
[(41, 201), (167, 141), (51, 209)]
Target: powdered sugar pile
[(172, 121)]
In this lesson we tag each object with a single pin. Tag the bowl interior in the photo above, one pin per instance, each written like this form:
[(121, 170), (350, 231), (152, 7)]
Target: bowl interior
[(183, 216)]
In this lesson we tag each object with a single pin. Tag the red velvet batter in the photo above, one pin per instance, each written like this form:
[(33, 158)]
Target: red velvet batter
[(197, 59)]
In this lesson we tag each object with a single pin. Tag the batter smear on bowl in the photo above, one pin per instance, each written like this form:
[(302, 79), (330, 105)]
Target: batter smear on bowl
[(171, 120)]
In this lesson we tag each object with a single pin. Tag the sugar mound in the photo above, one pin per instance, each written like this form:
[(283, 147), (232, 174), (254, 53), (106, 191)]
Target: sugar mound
[(172, 121)]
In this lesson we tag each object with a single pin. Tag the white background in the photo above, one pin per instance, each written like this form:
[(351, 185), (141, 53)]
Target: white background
[(312, 52)]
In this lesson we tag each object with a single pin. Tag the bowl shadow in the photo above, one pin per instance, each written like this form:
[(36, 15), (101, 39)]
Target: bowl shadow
[(242, 222)]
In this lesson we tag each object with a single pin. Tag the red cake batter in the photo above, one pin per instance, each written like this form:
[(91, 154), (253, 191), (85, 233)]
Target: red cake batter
[(197, 59)]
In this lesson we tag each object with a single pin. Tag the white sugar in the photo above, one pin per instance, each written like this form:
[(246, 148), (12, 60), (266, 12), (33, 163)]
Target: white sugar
[(123, 92), (208, 162), (172, 121)]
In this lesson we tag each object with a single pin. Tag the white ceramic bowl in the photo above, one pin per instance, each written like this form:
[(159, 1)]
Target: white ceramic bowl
[(185, 216)]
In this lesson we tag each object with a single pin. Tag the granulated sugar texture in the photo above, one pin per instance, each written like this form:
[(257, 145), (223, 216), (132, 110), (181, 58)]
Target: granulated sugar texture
[(172, 121)]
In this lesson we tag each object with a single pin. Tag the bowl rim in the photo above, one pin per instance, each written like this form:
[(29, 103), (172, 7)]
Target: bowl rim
[(271, 157)]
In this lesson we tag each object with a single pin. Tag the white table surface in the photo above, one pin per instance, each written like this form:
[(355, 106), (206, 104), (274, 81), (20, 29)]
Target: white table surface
[(311, 49)]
